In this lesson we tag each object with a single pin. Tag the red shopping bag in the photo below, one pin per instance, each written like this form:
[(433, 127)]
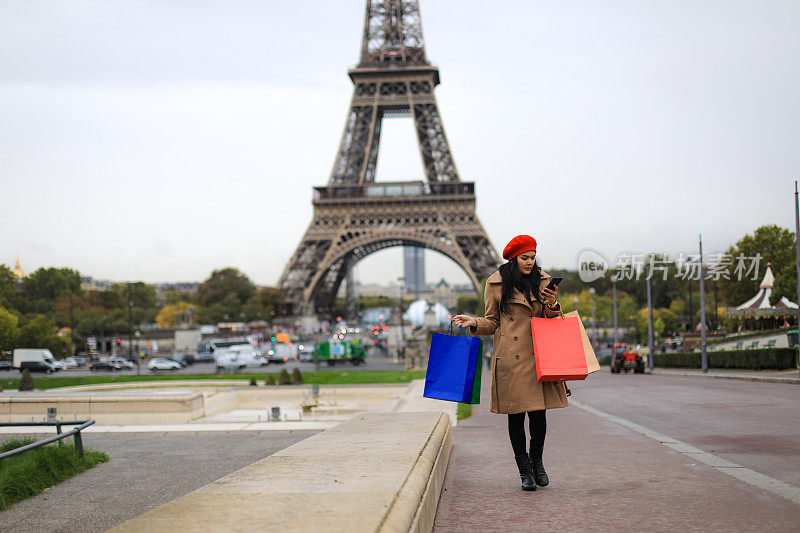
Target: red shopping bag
[(558, 349)]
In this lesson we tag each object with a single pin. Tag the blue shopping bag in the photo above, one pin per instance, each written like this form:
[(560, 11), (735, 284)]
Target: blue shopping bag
[(451, 367)]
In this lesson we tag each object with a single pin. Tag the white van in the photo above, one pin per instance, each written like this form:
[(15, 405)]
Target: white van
[(238, 356), (34, 359)]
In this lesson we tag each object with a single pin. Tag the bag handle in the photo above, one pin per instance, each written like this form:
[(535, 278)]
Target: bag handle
[(460, 330), (560, 311)]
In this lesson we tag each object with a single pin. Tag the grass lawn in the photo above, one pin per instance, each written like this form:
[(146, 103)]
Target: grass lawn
[(35, 471), (324, 377)]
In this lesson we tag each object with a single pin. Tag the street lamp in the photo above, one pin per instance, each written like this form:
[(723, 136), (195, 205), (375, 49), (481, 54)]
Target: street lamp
[(797, 258), (703, 352), (402, 347), (138, 355), (130, 321), (594, 324), (614, 297), (650, 321)]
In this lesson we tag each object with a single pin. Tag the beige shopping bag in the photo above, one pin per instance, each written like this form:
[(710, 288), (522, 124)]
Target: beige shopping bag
[(591, 359)]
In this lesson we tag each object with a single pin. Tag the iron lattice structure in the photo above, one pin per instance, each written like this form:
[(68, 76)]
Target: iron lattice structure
[(353, 215)]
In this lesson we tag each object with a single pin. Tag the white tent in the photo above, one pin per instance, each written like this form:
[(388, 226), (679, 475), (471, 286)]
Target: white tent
[(762, 297)]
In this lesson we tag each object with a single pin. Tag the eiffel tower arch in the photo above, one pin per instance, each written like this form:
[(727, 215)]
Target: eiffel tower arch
[(355, 216)]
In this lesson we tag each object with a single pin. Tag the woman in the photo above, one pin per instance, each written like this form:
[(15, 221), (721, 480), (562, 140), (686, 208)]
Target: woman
[(514, 294)]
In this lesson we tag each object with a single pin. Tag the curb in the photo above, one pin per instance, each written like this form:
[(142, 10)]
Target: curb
[(414, 509), (763, 379), (376, 472)]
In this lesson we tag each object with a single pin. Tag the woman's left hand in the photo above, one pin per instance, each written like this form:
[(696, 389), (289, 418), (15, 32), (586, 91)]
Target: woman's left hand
[(550, 294)]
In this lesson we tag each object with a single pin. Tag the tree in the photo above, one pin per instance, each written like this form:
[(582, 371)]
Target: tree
[(375, 301), (270, 299), (88, 323), (41, 332), (172, 315), (8, 287), (224, 283), (775, 245), (142, 295), (297, 377), (8, 329), (43, 287), (253, 310), (468, 303), (172, 297), (26, 383)]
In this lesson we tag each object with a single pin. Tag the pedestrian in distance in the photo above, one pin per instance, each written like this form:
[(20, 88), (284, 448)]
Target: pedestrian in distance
[(514, 294)]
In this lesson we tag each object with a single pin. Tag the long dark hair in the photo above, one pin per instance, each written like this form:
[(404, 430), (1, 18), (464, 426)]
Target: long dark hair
[(528, 285)]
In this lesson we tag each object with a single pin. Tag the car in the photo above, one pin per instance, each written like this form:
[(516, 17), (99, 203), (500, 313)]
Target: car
[(228, 360), (39, 366), (280, 353), (73, 362), (185, 359), (305, 352), (121, 362), (69, 362), (163, 363), (204, 357), (109, 366), (6, 365)]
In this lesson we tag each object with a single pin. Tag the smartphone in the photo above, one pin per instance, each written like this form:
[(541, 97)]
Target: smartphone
[(554, 281)]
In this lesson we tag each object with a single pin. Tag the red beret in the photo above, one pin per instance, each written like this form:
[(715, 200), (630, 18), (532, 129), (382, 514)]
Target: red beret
[(518, 245)]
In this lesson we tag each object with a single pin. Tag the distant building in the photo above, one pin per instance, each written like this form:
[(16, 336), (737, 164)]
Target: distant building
[(414, 269), (185, 288), (88, 283), (376, 289), (18, 272)]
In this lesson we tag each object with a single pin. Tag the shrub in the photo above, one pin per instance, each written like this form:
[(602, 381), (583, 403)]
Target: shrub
[(284, 378), (269, 379), (253, 381), (32, 472), (763, 359), (297, 377), (26, 383)]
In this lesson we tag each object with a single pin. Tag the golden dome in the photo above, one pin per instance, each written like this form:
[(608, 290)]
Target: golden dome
[(18, 272)]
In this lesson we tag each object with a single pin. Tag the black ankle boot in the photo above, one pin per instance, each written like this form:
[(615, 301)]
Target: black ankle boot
[(525, 472), (539, 475)]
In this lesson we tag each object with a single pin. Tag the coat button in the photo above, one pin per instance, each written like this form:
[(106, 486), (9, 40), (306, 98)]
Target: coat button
[(516, 357), (512, 319)]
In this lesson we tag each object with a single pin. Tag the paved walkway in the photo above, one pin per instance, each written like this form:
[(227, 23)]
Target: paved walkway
[(606, 474), (145, 470)]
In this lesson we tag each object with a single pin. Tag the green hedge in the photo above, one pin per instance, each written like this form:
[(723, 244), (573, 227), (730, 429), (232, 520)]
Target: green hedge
[(764, 359)]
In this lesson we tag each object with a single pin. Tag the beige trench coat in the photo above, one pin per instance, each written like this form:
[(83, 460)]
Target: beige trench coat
[(514, 385)]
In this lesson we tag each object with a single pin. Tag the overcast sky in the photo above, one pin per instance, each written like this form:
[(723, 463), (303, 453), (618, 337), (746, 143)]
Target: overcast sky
[(159, 140)]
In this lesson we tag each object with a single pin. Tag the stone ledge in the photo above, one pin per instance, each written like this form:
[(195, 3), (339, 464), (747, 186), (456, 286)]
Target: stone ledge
[(374, 472)]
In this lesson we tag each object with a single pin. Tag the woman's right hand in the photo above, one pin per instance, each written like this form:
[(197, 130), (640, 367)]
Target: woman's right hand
[(464, 321)]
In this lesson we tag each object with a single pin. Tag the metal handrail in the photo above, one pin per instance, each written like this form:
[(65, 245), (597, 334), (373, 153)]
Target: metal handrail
[(74, 431)]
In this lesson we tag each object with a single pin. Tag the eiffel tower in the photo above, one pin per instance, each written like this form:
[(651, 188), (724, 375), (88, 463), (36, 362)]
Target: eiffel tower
[(355, 216)]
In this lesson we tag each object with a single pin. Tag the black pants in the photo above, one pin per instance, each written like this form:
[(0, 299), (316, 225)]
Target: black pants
[(516, 430)]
